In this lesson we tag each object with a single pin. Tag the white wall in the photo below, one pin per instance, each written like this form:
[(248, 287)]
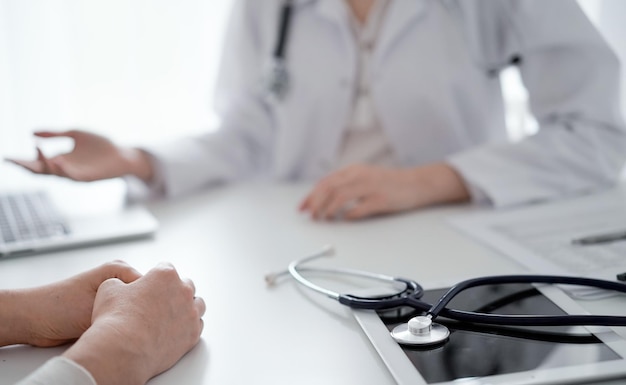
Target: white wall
[(134, 69), (612, 23), (610, 18)]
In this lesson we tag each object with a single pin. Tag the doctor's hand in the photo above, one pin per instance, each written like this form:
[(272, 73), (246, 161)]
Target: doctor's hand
[(361, 191), (140, 329), (94, 157), (57, 313)]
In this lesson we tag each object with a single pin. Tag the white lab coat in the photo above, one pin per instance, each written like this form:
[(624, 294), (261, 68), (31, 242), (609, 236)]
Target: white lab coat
[(436, 92)]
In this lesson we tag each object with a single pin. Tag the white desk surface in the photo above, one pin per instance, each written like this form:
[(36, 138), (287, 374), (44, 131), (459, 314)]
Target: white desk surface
[(226, 240)]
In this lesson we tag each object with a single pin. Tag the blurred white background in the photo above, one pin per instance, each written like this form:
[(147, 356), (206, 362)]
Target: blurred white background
[(144, 70), (136, 70)]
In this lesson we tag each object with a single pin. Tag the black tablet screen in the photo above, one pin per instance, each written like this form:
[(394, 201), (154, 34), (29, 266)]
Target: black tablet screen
[(475, 351)]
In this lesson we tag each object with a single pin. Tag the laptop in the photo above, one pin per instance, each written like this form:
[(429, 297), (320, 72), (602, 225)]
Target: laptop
[(31, 223)]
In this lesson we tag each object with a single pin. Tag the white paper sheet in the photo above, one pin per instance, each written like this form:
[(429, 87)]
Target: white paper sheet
[(540, 237)]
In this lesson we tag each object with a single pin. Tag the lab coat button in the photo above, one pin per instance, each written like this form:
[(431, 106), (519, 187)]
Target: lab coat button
[(367, 45), (363, 91)]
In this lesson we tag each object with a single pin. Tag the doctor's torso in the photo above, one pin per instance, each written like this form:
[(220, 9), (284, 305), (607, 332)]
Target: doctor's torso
[(430, 95)]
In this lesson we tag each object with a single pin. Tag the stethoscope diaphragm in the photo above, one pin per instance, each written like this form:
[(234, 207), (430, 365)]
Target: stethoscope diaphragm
[(420, 331)]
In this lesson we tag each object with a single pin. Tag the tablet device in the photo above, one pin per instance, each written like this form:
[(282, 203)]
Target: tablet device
[(476, 354)]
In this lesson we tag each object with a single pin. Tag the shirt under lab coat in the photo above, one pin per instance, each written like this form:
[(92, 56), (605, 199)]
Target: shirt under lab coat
[(435, 87)]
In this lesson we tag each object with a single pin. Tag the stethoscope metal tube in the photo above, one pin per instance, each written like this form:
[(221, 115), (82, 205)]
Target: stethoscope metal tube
[(294, 270), (421, 330)]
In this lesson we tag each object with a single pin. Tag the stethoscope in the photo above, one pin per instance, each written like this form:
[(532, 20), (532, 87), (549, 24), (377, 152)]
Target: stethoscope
[(421, 330), (277, 82)]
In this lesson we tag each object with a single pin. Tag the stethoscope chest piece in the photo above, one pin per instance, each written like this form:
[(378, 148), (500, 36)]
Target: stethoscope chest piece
[(277, 80), (420, 331)]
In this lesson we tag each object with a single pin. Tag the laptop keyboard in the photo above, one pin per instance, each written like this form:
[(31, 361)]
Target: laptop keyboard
[(28, 217)]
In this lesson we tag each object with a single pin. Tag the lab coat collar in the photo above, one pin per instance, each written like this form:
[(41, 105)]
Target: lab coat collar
[(335, 10), (400, 14)]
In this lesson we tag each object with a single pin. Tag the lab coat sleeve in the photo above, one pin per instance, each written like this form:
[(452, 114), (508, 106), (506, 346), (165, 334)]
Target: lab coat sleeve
[(59, 371), (572, 77), (241, 145)]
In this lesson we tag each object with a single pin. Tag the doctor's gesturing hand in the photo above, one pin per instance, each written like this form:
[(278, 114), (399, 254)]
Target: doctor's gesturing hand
[(361, 191), (93, 157)]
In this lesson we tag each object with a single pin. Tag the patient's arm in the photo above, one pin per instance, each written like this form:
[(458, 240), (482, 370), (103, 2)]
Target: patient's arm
[(140, 329), (54, 314)]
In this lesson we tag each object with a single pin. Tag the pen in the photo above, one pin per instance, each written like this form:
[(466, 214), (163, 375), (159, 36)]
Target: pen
[(600, 238)]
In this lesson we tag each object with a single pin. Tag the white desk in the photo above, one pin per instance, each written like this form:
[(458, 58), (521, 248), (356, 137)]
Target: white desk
[(226, 240)]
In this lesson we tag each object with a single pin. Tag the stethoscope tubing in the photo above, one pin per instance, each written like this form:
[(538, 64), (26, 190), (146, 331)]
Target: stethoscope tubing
[(536, 279), (294, 270), (283, 30), (439, 308), (412, 292)]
